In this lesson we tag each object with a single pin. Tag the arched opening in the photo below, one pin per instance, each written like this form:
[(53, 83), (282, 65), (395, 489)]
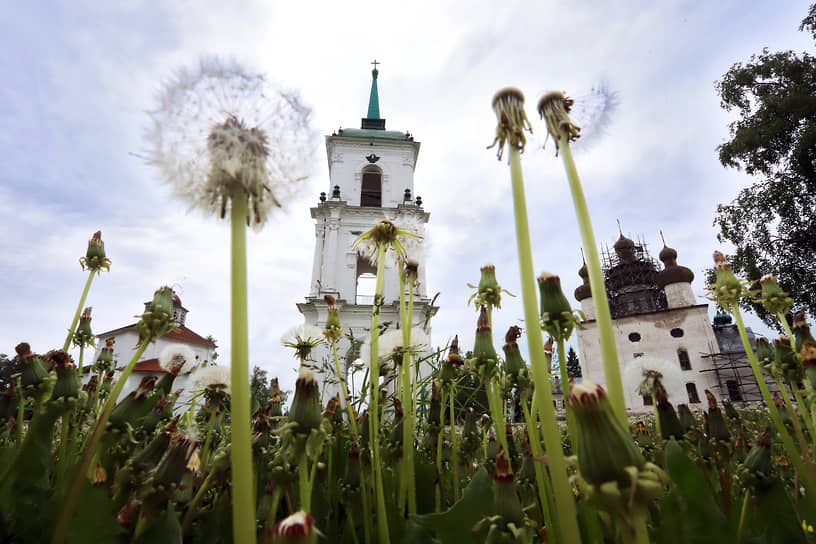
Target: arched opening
[(371, 192), (683, 357), (366, 281)]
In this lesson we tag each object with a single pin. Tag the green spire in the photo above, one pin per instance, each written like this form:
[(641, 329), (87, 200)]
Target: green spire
[(374, 99)]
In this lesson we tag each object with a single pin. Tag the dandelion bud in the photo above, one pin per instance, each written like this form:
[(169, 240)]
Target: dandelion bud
[(332, 331), (452, 365), (554, 108), (757, 470), (505, 498), (786, 361), (306, 403), (411, 271), (513, 363), (157, 320), (687, 419), (765, 354), (715, 425), (470, 434), (773, 298), (173, 465), (556, 313), (150, 456), (728, 289), (275, 399), (435, 410), (83, 335), (67, 385), (296, 529), (605, 448), (32, 372), (484, 354), (95, 259), (670, 426), (129, 409), (489, 291), (508, 104), (104, 362)]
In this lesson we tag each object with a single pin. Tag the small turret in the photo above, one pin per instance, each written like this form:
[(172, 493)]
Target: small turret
[(583, 294), (675, 280)]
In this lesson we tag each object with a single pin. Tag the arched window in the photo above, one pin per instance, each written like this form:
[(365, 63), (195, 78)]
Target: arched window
[(371, 193), (691, 389), (366, 281), (683, 357)]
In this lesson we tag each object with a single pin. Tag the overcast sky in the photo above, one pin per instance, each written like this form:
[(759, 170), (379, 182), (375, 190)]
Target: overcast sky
[(77, 78)]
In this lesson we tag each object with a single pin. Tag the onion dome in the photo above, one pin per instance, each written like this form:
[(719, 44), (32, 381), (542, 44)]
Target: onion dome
[(583, 291), (672, 272), (722, 318), (176, 300), (625, 248)]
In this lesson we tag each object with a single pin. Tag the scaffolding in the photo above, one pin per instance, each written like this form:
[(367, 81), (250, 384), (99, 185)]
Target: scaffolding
[(736, 382), (630, 286)]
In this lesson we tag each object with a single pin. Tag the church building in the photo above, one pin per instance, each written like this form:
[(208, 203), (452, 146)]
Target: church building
[(371, 177)]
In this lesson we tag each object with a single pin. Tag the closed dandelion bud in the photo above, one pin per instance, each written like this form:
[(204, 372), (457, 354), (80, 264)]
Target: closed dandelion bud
[(411, 271), (173, 465), (150, 456), (728, 289), (513, 362), (104, 362), (275, 399), (730, 411), (32, 372), (669, 422), (451, 366), (757, 470), (716, 427), (107, 384), (157, 320), (67, 384), (605, 448), (556, 313), (332, 331), (786, 360), (163, 409), (365, 432), (489, 290), (773, 298), (484, 354), (687, 419), (505, 498), (765, 354), (351, 479), (83, 335), (435, 410), (807, 355), (131, 408), (305, 411), (784, 415), (395, 439), (491, 452), (470, 433), (801, 330), (296, 529), (95, 258)]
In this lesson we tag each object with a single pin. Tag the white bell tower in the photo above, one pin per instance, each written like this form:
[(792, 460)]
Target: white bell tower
[(371, 173)]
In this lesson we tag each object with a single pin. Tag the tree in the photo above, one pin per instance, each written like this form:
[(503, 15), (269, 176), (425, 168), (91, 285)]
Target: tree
[(259, 385), (772, 223), (8, 367), (573, 364)]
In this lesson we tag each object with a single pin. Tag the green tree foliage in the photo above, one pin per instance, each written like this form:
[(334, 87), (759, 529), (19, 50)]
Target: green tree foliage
[(259, 385), (573, 364), (772, 223), (8, 367)]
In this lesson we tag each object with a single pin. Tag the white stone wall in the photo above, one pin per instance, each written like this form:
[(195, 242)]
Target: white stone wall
[(655, 342), (679, 295)]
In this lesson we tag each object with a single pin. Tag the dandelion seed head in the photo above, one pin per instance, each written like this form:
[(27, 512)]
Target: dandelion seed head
[(219, 129), (213, 377), (640, 369), (177, 359)]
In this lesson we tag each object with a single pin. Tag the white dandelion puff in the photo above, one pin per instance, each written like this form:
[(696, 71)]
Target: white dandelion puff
[(219, 129), (638, 373), (592, 113), (212, 378), (177, 359), (303, 339)]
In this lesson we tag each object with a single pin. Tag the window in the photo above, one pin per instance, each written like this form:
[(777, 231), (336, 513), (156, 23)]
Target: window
[(694, 398), (366, 281), (734, 392), (637, 354), (371, 194), (634, 337), (677, 332), (647, 400), (683, 357)]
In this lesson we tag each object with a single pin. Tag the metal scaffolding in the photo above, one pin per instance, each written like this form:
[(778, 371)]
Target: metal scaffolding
[(630, 286)]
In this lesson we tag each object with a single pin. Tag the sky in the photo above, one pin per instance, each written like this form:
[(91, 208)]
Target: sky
[(79, 77)]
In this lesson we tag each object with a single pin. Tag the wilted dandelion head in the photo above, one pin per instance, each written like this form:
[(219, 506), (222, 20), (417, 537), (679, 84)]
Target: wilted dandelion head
[(212, 378), (391, 236), (177, 359), (639, 374), (220, 131)]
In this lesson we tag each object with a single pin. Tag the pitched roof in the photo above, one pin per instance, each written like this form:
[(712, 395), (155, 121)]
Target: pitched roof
[(179, 334)]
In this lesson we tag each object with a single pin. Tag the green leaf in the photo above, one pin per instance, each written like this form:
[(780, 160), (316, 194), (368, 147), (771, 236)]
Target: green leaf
[(95, 518), (455, 525), (775, 509), (165, 530)]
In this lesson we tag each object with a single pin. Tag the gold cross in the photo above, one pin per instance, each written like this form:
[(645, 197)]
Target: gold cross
[(375, 63)]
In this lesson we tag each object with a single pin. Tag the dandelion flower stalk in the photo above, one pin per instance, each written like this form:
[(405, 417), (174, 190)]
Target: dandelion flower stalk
[(554, 108), (509, 106), (94, 260)]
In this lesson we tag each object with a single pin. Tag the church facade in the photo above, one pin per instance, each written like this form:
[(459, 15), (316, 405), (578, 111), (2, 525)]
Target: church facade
[(371, 175)]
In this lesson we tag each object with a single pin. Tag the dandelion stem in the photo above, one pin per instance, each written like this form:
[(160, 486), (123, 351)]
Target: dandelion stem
[(562, 363), (67, 343), (411, 407), (346, 399), (787, 441), (544, 487), (192, 508), (454, 449), (606, 336), (797, 428), (743, 514), (70, 502), (243, 497), (374, 412), (565, 504)]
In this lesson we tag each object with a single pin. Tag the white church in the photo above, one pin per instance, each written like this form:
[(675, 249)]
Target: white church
[(371, 175)]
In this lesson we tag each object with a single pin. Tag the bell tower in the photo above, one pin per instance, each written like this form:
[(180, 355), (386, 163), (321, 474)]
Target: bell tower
[(371, 173)]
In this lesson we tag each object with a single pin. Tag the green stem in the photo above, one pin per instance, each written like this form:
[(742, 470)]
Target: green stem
[(571, 428), (205, 449), (192, 508), (21, 400), (271, 517), (743, 515), (67, 343), (70, 502), (544, 488), (802, 406), (603, 317), (303, 484), (797, 429), (79, 366), (565, 504), (346, 399), (412, 408), (454, 450), (787, 441), (243, 494), (374, 411), (439, 455), (495, 405), (405, 396)]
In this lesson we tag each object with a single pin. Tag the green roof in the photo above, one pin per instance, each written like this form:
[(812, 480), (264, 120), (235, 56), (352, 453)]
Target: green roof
[(372, 133), (373, 99)]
